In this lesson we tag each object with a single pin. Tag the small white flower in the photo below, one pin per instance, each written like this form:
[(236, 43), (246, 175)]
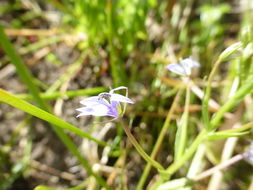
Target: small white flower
[(184, 67)]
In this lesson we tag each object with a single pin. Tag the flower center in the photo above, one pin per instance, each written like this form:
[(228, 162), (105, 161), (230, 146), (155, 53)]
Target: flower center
[(104, 95)]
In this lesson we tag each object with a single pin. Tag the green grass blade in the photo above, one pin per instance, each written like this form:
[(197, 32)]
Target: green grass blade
[(28, 80), (37, 112), (224, 135), (223, 56), (158, 143), (181, 135), (67, 94), (245, 127), (71, 70), (117, 68), (242, 92), (20, 68)]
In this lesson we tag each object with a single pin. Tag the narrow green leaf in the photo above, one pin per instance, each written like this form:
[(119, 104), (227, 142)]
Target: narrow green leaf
[(242, 92), (227, 52), (43, 187), (24, 74), (181, 135), (158, 143), (230, 50), (174, 184), (240, 129), (223, 135), (67, 94), (37, 112), (27, 78)]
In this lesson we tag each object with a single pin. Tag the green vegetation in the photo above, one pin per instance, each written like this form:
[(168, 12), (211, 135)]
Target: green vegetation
[(188, 129)]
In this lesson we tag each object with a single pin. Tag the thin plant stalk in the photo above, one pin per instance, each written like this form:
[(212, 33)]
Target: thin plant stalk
[(199, 139), (243, 91), (67, 94), (179, 163), (113, 65), (61, 7), (227, 152), (71, 70), (24, 74), (40, 44), (224, 55), (219, 167), (240, 129), (118, 75), (209, 126), (181, 136), (205, 112), (159, 141), (197, 163), (143, 154)]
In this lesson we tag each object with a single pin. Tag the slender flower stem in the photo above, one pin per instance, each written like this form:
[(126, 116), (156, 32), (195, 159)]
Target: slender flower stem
[(144, 155), (159, 141)]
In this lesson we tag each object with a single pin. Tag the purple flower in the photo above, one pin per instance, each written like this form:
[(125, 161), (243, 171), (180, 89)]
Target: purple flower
[(184, 67), (249, 154), (105, 104)]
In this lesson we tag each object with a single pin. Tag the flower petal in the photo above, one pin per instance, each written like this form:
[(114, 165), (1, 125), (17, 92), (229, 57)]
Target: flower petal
[(188, 62), (113, 109), (178, 69), (95, 110), (105, 104), (120, 98), (94, 100), (183, 67), (118, 88)]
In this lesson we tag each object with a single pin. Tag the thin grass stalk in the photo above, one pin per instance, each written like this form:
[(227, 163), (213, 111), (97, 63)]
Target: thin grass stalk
[(181, 136), (113, 64), (242, 92), (159, 141), (71, 70), (24, 74), (40, 44), (205, 112), (139, 149), (61, 7), (240, 129), (67, 94), (117, 69), (179, 163), (223, 56)]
